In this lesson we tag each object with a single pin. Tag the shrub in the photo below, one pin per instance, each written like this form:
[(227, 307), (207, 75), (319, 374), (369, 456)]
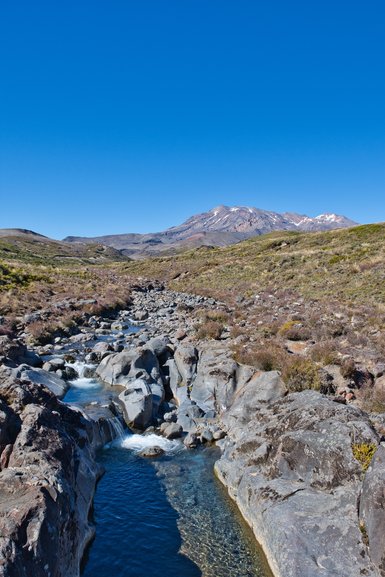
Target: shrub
[(301, 374), (364, 453), (218, 316), (40, 332), (209, 330), (348, 369), (324, 353), (294, 331), (372, 400), (263, 356)]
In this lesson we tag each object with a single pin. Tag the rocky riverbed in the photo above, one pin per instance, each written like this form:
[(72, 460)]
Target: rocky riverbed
[(291, 461)]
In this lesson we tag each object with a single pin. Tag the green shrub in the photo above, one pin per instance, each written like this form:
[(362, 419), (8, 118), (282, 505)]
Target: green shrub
[(301, 374), (294, 331), (364, 453)]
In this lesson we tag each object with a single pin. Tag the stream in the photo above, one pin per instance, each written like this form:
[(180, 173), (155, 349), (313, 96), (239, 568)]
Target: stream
[(165, 516)]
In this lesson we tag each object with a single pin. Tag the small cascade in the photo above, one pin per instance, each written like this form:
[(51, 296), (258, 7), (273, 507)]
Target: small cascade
[(84, 370), (136, 443), (116, 428)]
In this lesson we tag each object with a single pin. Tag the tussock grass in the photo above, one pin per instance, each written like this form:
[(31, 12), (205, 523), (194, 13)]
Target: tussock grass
[(346, 265)]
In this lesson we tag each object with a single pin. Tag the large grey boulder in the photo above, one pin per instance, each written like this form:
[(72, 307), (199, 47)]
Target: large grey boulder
[(102, 349), (105, 425), (53, 382), (372, 508), (145, 363), (160, 347), (289, 466), (120, 368), (114, 368), (137, 401)]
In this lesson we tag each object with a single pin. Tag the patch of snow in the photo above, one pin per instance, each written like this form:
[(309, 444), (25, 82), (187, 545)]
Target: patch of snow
[(328, 217)]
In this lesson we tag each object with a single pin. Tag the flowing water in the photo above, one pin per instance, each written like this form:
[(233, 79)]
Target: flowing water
[(164, 517)]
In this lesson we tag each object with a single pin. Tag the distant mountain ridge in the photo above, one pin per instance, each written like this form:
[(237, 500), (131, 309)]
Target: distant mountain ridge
[(250, 220), (221, 226)]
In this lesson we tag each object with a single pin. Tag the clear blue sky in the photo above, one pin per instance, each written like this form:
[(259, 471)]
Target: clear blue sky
[(132, 115)]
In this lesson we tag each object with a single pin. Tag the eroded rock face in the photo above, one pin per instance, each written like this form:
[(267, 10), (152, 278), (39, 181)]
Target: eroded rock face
[(289, 466), (47, 483), (372, 507), (216, 379)]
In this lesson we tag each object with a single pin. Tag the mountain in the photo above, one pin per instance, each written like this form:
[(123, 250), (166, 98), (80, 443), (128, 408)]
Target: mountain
[(254, 221), (221, 226)]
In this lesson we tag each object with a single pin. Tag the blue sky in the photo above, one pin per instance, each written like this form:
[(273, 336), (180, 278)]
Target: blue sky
[(130, 116)]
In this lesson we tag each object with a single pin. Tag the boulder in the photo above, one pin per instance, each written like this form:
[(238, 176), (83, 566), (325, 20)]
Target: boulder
[(170, 417), (57, 363), (114, 368), (172, 431), (106, 426), (206, 436), (137, 403), (160, 347), (140, 316), (262, 388), (218, 435), (16, 353), (191, 441), (151, 452), (157, 391), (37, 376), (188, 413), (100, 350), (145, 361), (289, 466)]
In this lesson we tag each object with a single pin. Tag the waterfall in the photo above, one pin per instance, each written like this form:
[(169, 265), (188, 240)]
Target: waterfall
[(83, 369), (116, 428)]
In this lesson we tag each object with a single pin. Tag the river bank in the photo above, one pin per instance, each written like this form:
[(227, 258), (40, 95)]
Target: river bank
[(289, 460)]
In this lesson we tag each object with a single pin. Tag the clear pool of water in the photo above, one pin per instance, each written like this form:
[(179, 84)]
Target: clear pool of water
[(168, 517)]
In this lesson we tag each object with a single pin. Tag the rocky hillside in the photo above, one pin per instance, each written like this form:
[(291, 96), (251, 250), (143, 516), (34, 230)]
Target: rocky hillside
[(30, 247), (56, 282), (221, 226)]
